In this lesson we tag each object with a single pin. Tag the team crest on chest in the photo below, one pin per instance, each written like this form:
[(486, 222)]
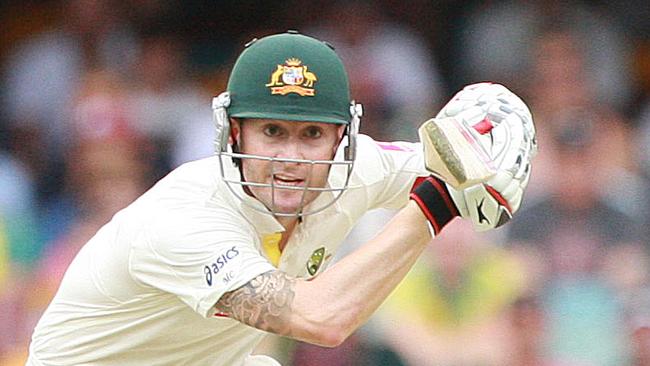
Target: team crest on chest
[(316, 260), (292, 77)]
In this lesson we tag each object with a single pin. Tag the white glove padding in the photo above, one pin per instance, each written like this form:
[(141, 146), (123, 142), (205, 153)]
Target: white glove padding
[(503, 125)]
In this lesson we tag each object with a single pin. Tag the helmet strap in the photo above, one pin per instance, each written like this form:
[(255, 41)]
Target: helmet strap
[(221, 121), (352, 130)]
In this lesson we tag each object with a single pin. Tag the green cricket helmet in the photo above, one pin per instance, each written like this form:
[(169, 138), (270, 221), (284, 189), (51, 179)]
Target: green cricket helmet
[(287, 76)]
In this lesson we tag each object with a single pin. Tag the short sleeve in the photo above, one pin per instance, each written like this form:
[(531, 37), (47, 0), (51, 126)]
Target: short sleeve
[(389, 170), (197, 256)]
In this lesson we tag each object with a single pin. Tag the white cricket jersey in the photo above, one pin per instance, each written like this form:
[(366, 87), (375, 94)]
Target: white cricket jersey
[(142, 291)]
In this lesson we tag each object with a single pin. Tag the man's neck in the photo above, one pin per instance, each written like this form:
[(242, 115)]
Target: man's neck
[(289, 224)]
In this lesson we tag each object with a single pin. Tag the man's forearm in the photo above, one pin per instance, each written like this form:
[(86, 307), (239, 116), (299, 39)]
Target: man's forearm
[(342, 298), (264, 303)]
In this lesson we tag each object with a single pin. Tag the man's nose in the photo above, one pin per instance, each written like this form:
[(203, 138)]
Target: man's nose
[(291, 150)]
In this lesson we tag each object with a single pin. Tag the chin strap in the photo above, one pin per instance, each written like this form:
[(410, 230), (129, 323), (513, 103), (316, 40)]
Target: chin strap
[(356, 112)]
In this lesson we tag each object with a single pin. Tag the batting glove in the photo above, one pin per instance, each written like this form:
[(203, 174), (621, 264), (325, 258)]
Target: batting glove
[(502, 125)]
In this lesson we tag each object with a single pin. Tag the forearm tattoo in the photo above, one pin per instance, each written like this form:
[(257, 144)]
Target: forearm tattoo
[(264, 303)]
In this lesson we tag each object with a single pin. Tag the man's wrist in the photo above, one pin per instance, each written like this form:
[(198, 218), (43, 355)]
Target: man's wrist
[(435, 202)]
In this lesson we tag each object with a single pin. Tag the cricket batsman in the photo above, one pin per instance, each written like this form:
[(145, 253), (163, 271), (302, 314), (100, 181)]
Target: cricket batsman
[(225, 249)]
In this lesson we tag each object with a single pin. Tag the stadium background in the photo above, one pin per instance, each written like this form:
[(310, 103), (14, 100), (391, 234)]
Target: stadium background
[(102, 97)]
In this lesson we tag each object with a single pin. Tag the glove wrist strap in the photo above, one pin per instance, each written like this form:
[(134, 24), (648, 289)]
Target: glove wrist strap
[(435, 202)]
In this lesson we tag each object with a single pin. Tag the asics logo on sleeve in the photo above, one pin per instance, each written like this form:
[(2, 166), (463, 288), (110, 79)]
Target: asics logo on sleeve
[(213, 268)]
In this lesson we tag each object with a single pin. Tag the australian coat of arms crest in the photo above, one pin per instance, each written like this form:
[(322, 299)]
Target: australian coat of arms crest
[(315, 261), (292, 77)]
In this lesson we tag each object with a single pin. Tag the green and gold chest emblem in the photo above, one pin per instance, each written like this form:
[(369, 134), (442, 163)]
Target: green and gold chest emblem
[(316, 260), (292, 77)]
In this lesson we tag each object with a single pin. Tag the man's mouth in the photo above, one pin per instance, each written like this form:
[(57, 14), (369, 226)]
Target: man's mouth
[(280, 180)]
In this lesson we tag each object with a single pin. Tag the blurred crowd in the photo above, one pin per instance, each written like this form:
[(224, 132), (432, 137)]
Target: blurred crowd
[(101, 98)]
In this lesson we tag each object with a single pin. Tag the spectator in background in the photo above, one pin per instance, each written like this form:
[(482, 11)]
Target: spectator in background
[(18, 212), (20, 248), (40, 78), (4, 256), (592, 220), (168, 107), (106, 170), (108, 173), (559, 83), (643, 139), (41, 75), (106, 164), (498, 38), (452, 308), (570, 235), (97, 110), (8, 299), (527, 323), (561, 89), (642, 346), (392, 70)]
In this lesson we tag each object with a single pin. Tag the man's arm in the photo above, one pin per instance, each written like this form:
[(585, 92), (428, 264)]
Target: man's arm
[(264, 303), (328, 308)]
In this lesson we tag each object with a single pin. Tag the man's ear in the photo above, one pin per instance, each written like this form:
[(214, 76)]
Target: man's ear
[(235, 131), (235, 139), (341, 131)]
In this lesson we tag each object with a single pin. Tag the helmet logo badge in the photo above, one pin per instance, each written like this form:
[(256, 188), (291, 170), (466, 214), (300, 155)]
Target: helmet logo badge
[(292, 77)]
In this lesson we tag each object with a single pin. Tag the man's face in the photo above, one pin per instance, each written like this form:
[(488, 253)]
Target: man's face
[(286, 140)]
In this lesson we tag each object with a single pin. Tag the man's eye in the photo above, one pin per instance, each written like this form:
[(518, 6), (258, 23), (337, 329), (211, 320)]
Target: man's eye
[(313, 132), (272, 130)]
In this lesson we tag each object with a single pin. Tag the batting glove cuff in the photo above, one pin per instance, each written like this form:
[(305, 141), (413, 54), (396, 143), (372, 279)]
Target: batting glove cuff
[(433, 198)]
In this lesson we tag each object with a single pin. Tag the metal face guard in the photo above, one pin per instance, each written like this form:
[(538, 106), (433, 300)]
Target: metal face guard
[(338, 191), (225, 153)]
